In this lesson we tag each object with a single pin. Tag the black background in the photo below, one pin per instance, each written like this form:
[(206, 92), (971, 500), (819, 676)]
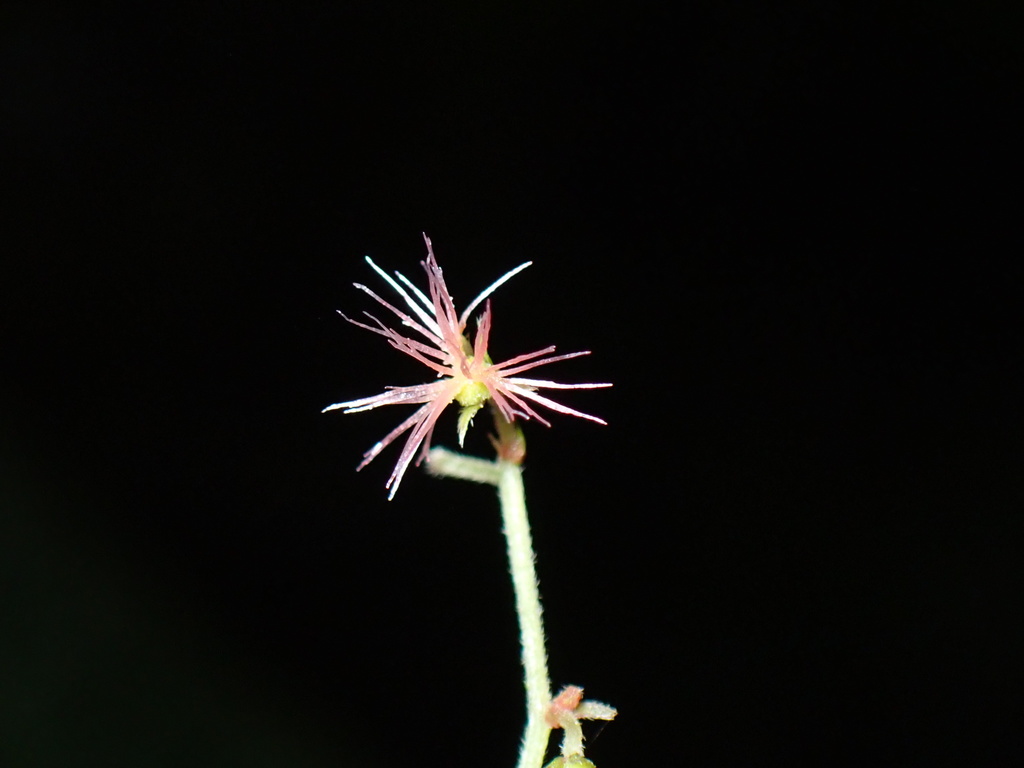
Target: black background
[(789, 234)]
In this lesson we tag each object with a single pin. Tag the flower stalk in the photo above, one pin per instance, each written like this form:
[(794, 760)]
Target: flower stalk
[(521, 559), (543, 713)]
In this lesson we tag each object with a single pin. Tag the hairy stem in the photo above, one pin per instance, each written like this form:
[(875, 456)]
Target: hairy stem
[(445, 463), (507, 475), (531, 621)]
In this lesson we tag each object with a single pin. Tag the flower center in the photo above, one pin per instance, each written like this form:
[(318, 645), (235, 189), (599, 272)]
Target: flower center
[(473, 394)]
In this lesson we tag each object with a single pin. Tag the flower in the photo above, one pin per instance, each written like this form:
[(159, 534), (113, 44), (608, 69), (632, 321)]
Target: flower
[(465, 371)]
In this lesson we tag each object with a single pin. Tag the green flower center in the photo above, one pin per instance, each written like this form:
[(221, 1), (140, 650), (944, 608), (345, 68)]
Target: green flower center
[(471, 397), (473, 394)]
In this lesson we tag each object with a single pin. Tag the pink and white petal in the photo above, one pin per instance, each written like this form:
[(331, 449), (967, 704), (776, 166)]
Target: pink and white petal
[(554, 384), (421, 393), (527, 411), (444, 307), (529, 393), (407, 321), (521, 358), (379, 446), (427, 417), (419, 311), (483, 332), (382, 331), (391, 333), (402, 342), (405, 344), (489, 290), (503, 403), (440, 368), (507, 371)]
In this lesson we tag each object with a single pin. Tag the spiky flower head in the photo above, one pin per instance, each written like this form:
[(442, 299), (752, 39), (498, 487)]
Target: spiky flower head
[(465, 372)]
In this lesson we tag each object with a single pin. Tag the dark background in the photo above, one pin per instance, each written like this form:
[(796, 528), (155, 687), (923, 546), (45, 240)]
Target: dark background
[(789, 234)]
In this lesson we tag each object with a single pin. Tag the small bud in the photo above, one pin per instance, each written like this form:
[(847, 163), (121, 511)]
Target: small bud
[(510, 444), (566, 710)]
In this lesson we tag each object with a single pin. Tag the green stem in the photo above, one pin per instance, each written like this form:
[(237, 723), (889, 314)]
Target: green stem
[(445, 463), (507, 475), (531, 621)]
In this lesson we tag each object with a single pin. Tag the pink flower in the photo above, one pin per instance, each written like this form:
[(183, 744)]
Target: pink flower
[(465, 371)]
